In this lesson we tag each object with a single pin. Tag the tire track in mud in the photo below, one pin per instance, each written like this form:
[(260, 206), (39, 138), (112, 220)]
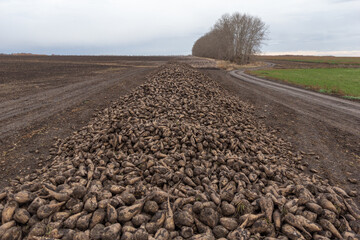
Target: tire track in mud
[(23, 112), (338, 112)]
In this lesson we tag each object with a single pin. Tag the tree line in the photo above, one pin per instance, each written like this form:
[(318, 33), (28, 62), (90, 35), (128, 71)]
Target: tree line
[(235, 37)]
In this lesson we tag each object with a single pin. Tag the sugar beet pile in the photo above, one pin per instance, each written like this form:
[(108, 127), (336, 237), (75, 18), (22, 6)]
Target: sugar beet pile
[(178, 158)]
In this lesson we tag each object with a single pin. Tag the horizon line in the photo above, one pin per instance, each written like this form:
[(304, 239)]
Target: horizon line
[(355, 53)]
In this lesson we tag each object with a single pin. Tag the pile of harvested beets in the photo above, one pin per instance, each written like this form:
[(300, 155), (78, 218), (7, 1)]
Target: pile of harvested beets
[(178, 158)]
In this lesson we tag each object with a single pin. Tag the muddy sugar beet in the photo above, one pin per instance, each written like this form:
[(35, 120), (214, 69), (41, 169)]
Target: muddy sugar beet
[(178, 158)]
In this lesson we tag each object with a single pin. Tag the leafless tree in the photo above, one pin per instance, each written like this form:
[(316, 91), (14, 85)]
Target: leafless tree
[(235, 38)]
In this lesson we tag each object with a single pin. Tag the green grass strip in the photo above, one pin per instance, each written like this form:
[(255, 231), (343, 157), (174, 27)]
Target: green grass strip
[(340, 81)]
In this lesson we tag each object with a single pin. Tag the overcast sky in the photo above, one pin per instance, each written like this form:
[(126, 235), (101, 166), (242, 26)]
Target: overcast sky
[(170, 27)]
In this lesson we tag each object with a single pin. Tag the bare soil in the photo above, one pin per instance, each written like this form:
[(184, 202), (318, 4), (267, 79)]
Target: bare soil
[(43, 98), (88, 84), (177, 158)]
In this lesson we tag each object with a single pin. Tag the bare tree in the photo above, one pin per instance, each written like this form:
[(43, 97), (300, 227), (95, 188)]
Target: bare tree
[(235, 38)]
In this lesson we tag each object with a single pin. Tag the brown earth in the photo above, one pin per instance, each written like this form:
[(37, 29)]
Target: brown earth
[(100, 80), (177, 158), (43, 98)]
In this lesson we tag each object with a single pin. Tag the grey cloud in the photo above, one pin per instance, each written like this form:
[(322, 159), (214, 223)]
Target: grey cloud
[(169, 27)]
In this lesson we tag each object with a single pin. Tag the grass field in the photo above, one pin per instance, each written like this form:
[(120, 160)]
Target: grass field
[(314, 59), (339, 81)]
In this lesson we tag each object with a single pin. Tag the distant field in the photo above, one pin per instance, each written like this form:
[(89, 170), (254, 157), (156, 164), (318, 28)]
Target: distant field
[(315, 59), (340, 81)]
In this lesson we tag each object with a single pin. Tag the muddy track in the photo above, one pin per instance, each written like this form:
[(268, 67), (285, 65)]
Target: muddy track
[(22, 112), (340, 113), (325, 127)]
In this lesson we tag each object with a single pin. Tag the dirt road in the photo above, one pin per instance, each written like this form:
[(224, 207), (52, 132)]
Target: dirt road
[(337, 112), (325, 127)]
